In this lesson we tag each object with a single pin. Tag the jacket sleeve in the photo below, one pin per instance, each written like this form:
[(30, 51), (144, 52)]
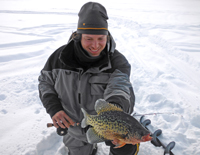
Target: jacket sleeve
[(47, 93), (119, 89)]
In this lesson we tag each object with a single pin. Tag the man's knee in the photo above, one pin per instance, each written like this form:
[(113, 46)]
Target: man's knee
[(84, 150), (77, 147)]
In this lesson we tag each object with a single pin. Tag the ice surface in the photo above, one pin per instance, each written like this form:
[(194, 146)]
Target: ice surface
[(161, 40)]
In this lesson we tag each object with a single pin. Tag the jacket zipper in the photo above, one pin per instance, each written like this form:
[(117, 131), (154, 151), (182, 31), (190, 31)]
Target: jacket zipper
[(79, 98), (79, 93)]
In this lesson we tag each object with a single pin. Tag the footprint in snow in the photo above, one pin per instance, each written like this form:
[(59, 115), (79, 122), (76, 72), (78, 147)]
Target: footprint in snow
[(2, 97)]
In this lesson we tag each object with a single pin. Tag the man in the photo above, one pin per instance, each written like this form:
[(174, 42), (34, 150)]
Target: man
[(84, 70)]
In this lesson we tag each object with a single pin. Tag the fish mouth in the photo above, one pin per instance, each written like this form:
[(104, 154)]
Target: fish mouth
[(147, 138)]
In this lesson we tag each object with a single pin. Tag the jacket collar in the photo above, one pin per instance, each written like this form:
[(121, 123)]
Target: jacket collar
[(67, 56)]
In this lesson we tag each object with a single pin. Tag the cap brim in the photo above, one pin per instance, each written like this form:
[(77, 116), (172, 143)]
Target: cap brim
[(90, 31)]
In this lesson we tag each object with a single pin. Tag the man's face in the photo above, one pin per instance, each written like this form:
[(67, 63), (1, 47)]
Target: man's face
[(93, 44)]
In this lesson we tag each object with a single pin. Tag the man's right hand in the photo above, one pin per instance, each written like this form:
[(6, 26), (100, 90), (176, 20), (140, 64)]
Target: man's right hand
[(62, 119)]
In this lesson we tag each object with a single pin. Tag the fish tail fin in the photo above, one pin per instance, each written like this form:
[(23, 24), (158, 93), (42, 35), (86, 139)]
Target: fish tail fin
[(84, 122)]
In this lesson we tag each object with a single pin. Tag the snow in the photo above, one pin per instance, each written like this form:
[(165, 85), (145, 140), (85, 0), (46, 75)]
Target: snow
[(161, 40)]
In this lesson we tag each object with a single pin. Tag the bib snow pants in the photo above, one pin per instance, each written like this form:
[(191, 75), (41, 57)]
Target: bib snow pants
[(77, 147)]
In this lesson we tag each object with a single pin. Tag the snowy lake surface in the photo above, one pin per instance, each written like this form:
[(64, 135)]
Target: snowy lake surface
[(161, 40)]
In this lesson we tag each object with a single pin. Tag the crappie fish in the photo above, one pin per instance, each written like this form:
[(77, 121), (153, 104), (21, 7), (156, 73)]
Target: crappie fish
[(111, 123)]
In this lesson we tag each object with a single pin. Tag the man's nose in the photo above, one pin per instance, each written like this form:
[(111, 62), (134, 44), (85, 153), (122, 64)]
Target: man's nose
[(95, 44)]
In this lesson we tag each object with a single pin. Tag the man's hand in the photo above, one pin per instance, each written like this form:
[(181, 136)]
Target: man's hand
[(62, 119)]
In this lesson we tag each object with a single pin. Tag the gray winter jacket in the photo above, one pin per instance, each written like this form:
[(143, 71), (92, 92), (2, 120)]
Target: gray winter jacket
[(64, 85)]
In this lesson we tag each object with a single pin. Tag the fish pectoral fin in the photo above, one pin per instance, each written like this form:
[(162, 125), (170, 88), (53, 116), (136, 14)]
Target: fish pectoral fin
[(115, 141), (121, 144), (93, 137), (118, 143)]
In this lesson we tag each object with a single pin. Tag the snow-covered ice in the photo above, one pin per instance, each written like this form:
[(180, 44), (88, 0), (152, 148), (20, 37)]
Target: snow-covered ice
[(161, 40)]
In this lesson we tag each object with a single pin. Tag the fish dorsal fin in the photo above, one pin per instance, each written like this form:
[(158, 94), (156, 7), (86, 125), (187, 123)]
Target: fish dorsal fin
[(102, 106)]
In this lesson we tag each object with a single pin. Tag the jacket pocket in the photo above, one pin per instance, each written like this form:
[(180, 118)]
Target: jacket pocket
[(98, 84)]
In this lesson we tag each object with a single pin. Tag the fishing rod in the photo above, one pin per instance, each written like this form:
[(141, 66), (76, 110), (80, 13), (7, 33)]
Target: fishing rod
[(61, 131), (159, 113)]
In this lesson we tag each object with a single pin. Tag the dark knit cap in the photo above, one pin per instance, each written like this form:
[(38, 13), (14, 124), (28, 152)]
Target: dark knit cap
[(92, 19)]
